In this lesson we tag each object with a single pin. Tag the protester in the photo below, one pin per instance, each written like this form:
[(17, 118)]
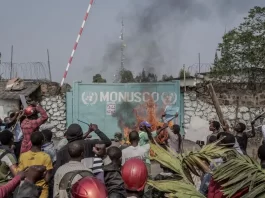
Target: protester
[(118, 141), (48, 146), (28, 189), (145, 130), (162, 137), (134, 175), (36, 157), (242, 136), (8, 161), (166, 174), (145, 136), (74, 170), (261, 155), (9, 188), (12, 123), (174, 141), (31, 124), (97, 168), (214, 128), (61, 144), (135, 150), (112, 170), (75, 133), (263, 134), (89, 187), (214, 188), (33, 174)]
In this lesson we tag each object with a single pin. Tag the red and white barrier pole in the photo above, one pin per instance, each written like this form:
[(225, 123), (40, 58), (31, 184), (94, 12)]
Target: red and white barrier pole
[(76, 42)]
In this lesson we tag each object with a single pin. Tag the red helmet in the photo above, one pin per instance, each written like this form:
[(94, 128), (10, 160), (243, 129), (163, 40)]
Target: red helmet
[(134, 174), (29, 111), (89, 187)]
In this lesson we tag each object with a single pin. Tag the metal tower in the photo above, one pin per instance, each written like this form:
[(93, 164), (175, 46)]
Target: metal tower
[(117, 76)]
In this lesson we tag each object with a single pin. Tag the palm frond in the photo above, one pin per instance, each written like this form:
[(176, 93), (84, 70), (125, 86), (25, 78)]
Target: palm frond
[(239, 174), (176, 189), (193, 162)]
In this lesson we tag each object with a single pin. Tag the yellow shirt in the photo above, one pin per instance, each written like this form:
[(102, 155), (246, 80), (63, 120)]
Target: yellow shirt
[(36, 158)]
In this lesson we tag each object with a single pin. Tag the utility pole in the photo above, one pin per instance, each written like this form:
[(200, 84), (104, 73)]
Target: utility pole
[(0, 57), (11, 63), (49, 65)]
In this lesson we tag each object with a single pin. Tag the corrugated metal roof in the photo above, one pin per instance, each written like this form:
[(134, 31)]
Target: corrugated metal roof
[(30, 88)]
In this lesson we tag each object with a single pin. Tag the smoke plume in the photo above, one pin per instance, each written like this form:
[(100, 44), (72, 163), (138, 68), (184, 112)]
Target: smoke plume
[(153, 31)]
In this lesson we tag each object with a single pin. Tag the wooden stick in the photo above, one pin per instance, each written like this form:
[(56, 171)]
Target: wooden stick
[(216, 104)]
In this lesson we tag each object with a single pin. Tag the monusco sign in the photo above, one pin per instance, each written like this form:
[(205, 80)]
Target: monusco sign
[(115, 106), (91, 98)]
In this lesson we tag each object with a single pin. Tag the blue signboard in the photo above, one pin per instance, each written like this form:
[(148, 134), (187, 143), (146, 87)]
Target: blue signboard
[(117, 106)]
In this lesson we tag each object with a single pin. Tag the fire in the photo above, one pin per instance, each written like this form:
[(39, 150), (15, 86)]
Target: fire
[(148, 111)]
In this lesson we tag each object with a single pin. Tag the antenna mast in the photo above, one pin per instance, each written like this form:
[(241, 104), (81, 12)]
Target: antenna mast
[(118, 75), (122, 45)]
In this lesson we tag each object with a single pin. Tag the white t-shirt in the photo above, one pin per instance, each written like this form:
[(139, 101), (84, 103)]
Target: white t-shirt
[(140, 152)]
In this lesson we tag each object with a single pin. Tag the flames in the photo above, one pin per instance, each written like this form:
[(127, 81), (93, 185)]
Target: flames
[(148, 111)]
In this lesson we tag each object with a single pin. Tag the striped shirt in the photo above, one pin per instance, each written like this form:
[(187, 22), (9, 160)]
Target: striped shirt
[(97, 165)]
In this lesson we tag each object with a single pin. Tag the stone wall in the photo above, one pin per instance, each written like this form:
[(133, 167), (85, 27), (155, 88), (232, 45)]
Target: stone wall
[(56, 110), (197, 109), (250, 95), (53, 100)]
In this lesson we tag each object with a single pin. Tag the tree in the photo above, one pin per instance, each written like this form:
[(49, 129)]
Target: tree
[(181, 74), (98, 79), (166, 78), (146, 77), (126, 76), (243, 48), (216, 59)]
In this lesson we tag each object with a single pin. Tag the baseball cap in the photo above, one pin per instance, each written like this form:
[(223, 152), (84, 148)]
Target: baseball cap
[(145, 123)]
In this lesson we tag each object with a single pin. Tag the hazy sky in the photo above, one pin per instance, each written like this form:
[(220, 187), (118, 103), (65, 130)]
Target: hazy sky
[(159, 35)]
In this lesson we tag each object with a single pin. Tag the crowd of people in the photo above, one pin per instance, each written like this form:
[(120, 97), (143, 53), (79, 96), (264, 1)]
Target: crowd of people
[(32, 166)]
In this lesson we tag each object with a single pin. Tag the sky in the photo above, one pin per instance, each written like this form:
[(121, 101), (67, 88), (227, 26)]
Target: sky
[(160, 36)]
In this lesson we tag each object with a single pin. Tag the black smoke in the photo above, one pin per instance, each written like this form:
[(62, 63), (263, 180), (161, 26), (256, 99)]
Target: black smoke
[(154, 28)]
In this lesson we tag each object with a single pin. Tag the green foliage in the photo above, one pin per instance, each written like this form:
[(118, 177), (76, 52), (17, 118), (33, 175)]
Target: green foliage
[(166, 78), (146, 77), (98, 79), (185, 166), (126, 76), (181, 74), (243, 48), (239, 174)]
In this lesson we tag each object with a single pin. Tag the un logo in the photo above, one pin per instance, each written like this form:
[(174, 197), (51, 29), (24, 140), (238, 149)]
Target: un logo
[(89, 98), (169, 98)]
